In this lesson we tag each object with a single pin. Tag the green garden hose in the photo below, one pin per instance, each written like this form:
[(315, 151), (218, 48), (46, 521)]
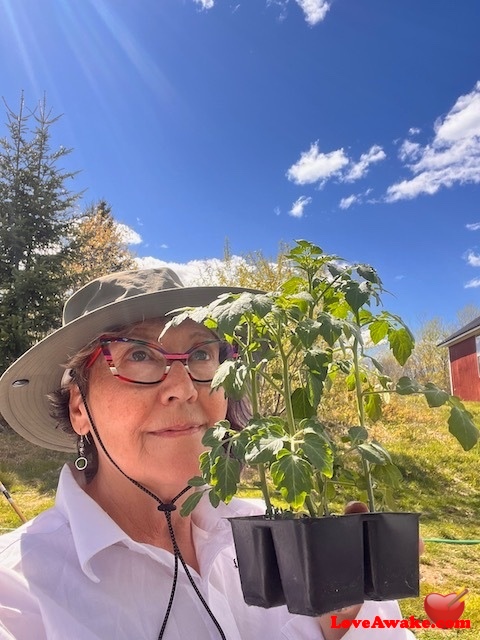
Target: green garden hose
[(448, 541)]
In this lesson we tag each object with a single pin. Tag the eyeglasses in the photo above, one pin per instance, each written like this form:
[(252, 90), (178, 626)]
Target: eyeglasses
[(142, 362)]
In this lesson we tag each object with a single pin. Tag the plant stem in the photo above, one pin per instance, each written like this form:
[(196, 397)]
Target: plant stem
[(310, 506), (264, 485), (254, 401), (323, 493), (253, 376), (287, 394), (361, 416)]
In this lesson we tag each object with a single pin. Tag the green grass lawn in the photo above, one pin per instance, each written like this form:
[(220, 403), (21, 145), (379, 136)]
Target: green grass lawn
[(441, 481)]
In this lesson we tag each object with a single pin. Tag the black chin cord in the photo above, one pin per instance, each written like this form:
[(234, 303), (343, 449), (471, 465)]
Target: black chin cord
[(166, 508)]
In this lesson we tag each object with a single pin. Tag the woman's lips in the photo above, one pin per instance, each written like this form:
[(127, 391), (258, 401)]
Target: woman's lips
[(177, 431)]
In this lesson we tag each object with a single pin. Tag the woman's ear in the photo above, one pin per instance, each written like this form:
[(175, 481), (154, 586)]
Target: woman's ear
[(78, 414)]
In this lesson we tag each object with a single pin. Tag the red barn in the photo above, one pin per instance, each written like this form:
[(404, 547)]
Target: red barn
[(464, 356)]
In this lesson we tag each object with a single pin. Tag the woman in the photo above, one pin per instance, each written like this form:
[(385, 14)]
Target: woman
[(113, 559)]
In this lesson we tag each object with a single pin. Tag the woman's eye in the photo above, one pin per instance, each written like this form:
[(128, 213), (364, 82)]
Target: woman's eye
[(139, 355), (200, 354)]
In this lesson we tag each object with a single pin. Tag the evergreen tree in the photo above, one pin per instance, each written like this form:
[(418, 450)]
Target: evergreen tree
[(36, 209)]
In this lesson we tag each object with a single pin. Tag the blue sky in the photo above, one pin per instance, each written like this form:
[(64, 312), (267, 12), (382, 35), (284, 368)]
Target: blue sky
[(354, 124)]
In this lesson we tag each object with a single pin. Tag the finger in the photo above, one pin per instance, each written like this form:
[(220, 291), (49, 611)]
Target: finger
[(356, 507)]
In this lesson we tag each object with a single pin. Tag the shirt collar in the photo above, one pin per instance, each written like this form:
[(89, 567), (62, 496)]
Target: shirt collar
[(86, 516)]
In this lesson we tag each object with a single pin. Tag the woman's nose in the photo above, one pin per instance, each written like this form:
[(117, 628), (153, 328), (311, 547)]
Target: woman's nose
[(177, 383)]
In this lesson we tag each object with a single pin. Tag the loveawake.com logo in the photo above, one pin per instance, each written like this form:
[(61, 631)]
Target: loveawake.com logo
[(443, 613)]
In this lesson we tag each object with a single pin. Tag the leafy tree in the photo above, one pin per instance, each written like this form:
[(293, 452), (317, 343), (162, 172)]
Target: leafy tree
[(96, 246), (428, 362), (466, 315), (253, 270), (36, 207)]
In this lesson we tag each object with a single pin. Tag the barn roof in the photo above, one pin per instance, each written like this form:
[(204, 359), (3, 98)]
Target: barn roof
[(470, 329)]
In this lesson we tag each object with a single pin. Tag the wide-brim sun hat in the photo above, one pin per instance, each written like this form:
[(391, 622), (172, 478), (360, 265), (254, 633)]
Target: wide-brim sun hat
[(100, 306)]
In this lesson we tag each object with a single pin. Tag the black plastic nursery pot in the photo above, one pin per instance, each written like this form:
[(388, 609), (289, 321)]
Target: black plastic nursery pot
[(320, 562), (318, 565), (391, 555), (257, 561)]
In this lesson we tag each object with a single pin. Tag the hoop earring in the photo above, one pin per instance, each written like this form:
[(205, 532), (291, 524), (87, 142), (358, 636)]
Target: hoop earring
[(81, 462)]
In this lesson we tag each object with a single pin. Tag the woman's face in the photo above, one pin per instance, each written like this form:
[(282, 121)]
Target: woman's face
[(153, 432)]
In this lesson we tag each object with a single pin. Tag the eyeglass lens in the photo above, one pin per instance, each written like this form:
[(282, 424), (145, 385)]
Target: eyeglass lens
[(143, 362)]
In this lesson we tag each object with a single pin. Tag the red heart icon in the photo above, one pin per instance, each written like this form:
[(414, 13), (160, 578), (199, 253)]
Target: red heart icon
[(437, 609)]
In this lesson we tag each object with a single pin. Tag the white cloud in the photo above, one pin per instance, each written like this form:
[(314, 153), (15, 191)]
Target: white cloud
[(413, 131), (277, 211), (205, 4), (409, 151), (314, 166), (314, 10), (474, 226), (473, 259), (194, 272), (345, 203), (453, 156), (298, 206), (473, 283), (127, 234), (360, 168)]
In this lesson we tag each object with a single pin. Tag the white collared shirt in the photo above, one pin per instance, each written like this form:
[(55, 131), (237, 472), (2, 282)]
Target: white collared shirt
[(72, 574)]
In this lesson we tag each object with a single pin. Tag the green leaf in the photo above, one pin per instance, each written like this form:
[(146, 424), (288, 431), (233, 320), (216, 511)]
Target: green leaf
[(368, 272), (357, 435), (334, 269), (216, 435), (214, 498), (301, 405), (292, 285), (232, 376), (319, 452), (350, 381), (401, 344), (385, 381), (373, 406), (461, 426), (406, 386), (292, 476), (229, 314), (262, 305), (318, 361), (308, 331), (374, 452), (196, 481), (315, 384), (205, 466), (225, 477), (191, 502), (388, 474), (330, 328), (356, 295), (301, 299), (264, 450), (378, 330), (435, 397)]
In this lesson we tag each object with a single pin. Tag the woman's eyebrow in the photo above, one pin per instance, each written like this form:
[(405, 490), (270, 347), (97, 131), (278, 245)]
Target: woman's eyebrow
[(201, 336)]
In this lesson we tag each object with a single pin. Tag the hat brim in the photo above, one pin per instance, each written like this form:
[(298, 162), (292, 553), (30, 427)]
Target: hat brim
[(25, 385)]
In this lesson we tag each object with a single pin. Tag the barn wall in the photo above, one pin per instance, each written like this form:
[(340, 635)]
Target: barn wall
[(464, 370)]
